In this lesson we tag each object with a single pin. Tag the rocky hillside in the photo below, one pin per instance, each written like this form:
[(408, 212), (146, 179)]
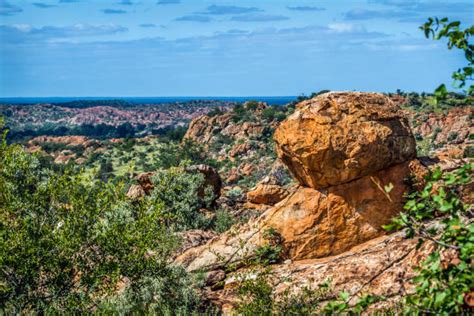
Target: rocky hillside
[(353, 156), (98, 119), (240, 140), (446, 133)]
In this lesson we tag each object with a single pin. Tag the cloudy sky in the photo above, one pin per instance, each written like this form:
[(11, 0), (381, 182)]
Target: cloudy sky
[(221, 47)]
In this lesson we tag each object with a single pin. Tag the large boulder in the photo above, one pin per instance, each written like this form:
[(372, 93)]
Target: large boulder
[(338, 137)]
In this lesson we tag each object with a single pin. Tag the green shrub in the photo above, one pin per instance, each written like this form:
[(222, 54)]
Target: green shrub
[(272, 251), (257, 298), (172, 154), (215, 112), (234, 193), (241, 113), (223, 220), (452, 136), (176, 193), (445, 277), (68, 244)]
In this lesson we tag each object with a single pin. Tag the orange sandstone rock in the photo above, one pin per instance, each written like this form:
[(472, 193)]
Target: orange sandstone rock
[(318, 223), (338, 137), (268, 194)]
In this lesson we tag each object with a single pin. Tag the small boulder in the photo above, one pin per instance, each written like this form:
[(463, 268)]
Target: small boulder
[(214, 277), (136, 192), (268, 194), (194, 238), (144, 180)]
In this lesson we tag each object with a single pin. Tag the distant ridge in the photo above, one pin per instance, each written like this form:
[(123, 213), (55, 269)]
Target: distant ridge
[(144, 100)]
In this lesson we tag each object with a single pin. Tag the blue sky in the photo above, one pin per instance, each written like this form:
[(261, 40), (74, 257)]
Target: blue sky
[(221, 47)]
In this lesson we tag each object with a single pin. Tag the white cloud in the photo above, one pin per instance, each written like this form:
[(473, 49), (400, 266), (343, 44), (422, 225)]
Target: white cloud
[(345, 28)]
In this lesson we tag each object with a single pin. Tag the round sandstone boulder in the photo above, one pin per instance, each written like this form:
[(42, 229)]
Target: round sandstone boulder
[(338, 137)]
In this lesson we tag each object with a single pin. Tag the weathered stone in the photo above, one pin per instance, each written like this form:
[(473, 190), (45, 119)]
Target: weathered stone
[(338, 137), (317, 223), (380, 267), (268, 194), (144, 180), (135, 192), (213, 277), (194, 238), (201, 129)]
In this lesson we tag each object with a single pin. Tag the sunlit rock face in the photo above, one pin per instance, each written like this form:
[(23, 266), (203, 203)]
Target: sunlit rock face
[(338, 137)]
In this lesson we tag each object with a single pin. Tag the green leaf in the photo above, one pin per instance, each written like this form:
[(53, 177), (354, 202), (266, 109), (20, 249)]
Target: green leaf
[(344, 296), (439, 298)]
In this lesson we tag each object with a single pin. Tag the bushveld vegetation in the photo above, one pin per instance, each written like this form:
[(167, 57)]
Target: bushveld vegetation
[(70, 243)]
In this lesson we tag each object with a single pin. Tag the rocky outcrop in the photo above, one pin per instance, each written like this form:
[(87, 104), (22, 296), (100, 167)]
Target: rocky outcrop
[(453, 127), (313, 223), (239, 140), (445, 135), (338, 137), (352, 154), (64, 148), (66, 140), (382, 267), (201, 129)]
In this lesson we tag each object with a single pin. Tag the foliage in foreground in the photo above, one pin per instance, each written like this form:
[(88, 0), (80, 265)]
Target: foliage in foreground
[(72, 244), (257, 298), (445, 282), (457, 38)]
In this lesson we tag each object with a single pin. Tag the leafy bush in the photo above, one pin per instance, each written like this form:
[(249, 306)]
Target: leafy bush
[(273, 113), (171, 133), (445, 278), (257, 298), (235, 193), (223, 220), (172, 154), (176, 193), (71, 244), (241, 113), (272, 251), (215, 112)]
